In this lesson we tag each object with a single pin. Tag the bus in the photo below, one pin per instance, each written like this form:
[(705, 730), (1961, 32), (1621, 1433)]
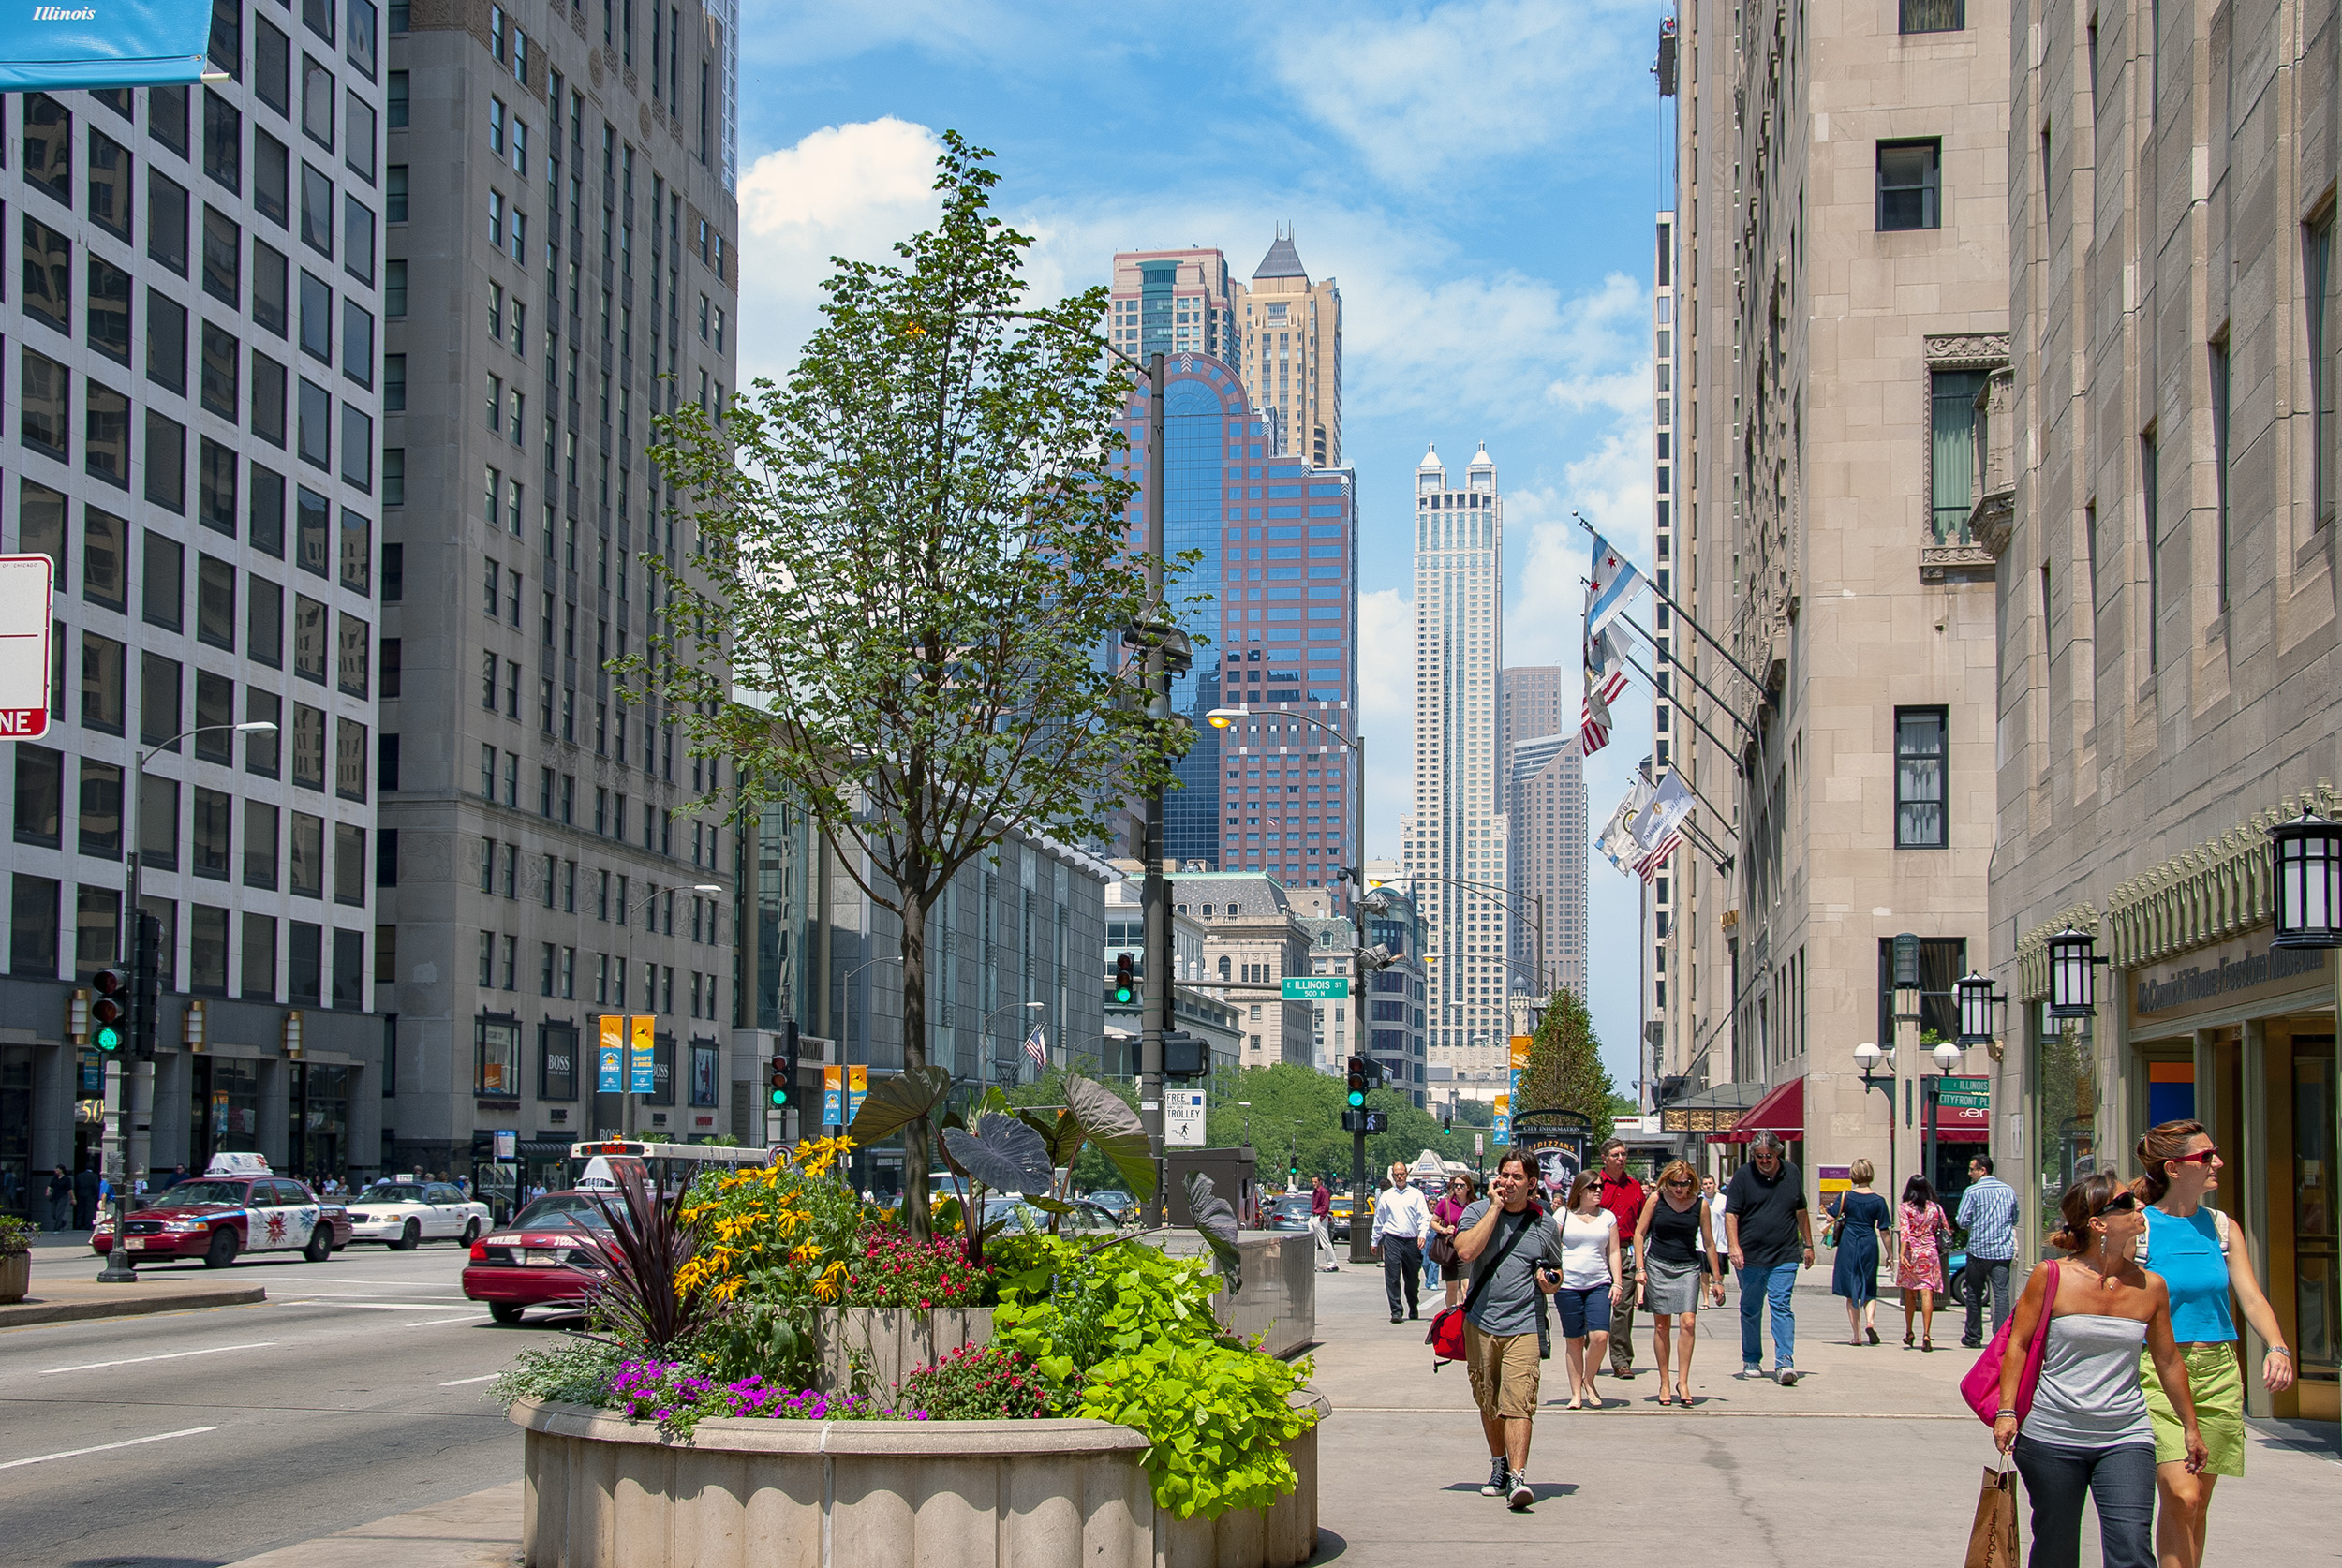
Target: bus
[(670, 1167)]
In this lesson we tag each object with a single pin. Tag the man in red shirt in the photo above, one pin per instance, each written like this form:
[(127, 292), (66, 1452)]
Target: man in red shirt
[(1622, 1196)]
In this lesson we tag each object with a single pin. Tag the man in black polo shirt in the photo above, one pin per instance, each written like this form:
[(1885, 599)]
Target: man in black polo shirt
[(1771, 1236)]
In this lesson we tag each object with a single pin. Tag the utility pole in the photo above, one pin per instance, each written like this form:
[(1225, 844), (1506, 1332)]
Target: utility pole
[(1155, 890)]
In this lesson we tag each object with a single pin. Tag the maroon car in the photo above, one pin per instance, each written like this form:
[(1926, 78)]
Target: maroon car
[(550, 1255), (216, 1218)]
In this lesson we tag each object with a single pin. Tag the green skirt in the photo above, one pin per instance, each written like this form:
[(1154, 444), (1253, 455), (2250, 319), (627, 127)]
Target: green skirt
[(2216, 1383)]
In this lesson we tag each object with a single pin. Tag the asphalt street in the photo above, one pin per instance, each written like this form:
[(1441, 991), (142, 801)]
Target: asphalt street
[(204, 1437)]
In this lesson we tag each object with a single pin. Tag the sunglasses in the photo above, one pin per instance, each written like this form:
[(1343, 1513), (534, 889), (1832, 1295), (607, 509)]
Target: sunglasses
[(2201, 1157), (1679, 1186), (2121, 1203)]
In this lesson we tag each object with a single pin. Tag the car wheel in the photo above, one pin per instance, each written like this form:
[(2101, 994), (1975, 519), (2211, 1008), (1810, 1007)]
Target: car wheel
[(471, 1231), (320, 1245), (506, 1313), (222, 1250), (409, 1238), (1956, 1289)]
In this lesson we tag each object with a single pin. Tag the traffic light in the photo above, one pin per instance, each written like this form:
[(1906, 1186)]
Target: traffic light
[(1125, 981), (105, 1010), (1447, 1123), (147, 986), (784, 1068), (1358, 1079)]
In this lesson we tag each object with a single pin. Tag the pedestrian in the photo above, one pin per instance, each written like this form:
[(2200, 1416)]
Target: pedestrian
[(60, 1195), (1401, 1224), (1594, 1285), (178, 1174), (85, 1185), (1860, 1224), (1519, 1254), (2088, 1433), (1675, 1259), (1322, 1225), (1988, 1212), (1445, 1216), (1771, 1234), (2202, 1258), (1622, 1196), (1919, 1228)]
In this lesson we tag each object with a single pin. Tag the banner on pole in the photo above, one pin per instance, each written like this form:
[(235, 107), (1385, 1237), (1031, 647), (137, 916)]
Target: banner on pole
[(610, 1054), (106, 43), (639, 1076)]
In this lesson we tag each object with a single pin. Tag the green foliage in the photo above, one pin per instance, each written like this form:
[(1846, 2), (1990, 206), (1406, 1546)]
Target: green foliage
[(1295, 1112), (1475, 1112), (575, 1370), (1069, 1307), (1565, 1071), (16, 1235), (1091, 1172)]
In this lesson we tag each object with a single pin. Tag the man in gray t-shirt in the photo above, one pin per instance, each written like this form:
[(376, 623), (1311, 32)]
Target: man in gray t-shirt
[(1501, 1326)]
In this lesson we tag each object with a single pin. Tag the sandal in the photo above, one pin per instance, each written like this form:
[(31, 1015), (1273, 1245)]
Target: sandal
[(1906, 1339), (1874, 1335), (1927, 1344)]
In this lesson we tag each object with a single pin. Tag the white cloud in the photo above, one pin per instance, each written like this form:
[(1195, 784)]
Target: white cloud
[(848, 190), (1464, 85)]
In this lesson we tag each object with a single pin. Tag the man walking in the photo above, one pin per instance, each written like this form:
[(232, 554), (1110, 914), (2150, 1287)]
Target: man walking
[(1513, 1254), (60, 1195), (1622, 1196), (1770, 1234), (1322, 1225), (84, 1199), (1988, 1212), (1402, 1222)]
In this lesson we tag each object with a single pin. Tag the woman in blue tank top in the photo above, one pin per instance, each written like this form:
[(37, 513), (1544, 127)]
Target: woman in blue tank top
[(2203, 1258)]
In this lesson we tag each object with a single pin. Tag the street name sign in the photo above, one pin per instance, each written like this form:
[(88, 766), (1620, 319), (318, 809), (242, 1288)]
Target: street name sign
[(24, 655), (1964, 1086), (1306, 987)]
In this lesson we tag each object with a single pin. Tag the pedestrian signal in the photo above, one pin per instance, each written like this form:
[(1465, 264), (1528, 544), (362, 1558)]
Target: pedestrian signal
[(105, 1010)]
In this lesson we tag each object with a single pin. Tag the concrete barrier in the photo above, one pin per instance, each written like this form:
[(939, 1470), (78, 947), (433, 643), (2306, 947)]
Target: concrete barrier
[(602, 1491), (1279, 1302), (889, 1343)]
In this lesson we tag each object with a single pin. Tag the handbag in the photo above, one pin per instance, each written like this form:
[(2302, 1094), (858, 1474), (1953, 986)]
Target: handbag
[(1980, 1387), (1442, 1250), (1446, 1334), (1993, 1537)]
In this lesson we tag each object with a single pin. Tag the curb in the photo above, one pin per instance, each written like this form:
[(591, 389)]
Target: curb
[(20, 1315)]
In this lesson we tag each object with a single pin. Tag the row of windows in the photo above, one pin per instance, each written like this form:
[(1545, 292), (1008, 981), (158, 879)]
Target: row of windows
[(43, 527), (35, 933), (557, 800), (553, 882)]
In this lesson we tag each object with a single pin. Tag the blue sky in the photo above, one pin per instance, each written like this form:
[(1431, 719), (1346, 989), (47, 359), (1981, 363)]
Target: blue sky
[(1479, 178)]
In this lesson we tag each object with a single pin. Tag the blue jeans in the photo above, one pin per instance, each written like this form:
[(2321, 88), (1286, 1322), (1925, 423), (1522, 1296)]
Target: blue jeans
[(1761, 1288), (2119, 1480)]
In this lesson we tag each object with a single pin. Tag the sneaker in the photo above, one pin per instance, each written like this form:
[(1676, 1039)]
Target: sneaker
[(1500, 1476), (1520, 1496), (1749, 1371), (1785, 1376)]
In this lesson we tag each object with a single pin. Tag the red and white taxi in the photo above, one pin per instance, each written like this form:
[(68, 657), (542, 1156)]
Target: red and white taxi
[(236, 1206), (551, 1255)]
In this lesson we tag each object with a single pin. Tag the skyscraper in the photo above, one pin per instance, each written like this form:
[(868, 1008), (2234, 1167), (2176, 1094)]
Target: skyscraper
[(1292, 354), (1172, 302), (1545, 809), (580, 275), (1458, 834)]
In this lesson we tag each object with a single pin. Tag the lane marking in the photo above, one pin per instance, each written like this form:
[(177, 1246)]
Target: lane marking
[(1671, 1413), (171, 1355), (349, 1306), (437, 1322), (458, 1382), (105, 1447)]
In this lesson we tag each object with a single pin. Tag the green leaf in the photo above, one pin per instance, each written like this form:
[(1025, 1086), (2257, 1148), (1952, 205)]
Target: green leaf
[(1002, 1153), (1107, 1121), (1215, 1221), (894, 1103)]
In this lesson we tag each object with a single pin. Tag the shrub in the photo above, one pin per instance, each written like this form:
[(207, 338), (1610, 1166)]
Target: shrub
[(16, 1235), (895, 1271), (678, 1397), (976, 1382), (576, 1371)]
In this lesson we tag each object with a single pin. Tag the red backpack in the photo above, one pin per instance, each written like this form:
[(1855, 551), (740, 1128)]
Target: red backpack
[(1446, 1335)]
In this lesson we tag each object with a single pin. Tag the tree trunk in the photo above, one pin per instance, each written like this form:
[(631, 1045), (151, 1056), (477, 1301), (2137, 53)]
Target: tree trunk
[(917, 1158)]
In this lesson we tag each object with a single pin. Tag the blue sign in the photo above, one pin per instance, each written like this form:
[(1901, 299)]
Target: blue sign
[(103, 43), (610, 1076)]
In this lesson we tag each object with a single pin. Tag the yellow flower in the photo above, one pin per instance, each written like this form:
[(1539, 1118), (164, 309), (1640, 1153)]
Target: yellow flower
[(805, 1252), (832, 1284)]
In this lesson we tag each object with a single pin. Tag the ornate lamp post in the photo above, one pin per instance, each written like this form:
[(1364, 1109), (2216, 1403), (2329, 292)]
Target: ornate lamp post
[(2306, 855)]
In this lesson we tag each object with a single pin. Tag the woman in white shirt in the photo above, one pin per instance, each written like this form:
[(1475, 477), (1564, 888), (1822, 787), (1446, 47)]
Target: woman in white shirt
[(1592, 1281)]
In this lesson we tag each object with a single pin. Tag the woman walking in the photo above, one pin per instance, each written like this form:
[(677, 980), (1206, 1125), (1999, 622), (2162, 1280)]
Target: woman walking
[(1861, 1220), (2087, 1434), (1675, 1261), (1920, 1257), (2202, 1258), (1446, 1215), (1593, 1283)]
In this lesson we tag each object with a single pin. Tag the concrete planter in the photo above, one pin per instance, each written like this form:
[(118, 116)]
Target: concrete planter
[(889, 1343), (15, 1275), (601, 1491)]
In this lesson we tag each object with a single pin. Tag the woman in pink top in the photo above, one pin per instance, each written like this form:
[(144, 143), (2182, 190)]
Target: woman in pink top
[(1446, 1215), (1919, 1257)]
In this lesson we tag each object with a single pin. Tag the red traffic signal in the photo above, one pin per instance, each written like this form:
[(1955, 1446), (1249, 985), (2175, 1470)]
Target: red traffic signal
[(106, 1010)]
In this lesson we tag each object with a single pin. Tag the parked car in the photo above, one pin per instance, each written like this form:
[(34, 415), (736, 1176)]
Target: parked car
[(1338, 1219), (1289, 1212), (1123, 1206), (1087, 1218), (236, 1207), (1956, 1277), (551, 1255), (406, 1214)]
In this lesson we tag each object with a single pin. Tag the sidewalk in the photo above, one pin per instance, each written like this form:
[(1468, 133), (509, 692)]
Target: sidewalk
[(55, 1300), (477, 1531)]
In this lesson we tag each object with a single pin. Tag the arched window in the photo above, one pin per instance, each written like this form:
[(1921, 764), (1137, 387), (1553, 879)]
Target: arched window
[(1224, 971)]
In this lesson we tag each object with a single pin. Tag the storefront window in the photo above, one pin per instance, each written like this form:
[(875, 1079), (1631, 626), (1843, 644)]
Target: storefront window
[(2066, 1085), (227, 1106), (2318, 1299), (497, 1057), (319, 1128)]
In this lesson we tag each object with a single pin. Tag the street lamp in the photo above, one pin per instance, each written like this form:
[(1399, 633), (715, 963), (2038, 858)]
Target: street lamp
[(2073, 973), (118, 1270), (2306, 857), (1870, 1057), (1976, 1001), (1543, 985)]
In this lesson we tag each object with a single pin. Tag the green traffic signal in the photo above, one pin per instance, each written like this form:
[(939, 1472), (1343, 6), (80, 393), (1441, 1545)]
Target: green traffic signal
[(108, 1038), (1357, 1098), (781, 1100)]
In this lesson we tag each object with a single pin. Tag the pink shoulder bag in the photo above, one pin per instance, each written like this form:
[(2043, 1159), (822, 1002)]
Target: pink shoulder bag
[(1981, 1386)]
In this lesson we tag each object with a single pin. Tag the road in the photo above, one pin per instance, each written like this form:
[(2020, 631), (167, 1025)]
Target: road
[(354, 1392)]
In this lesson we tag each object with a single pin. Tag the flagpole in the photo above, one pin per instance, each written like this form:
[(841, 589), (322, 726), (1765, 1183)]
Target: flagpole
[(1662, 595), (1673, 663), (1693, 715)]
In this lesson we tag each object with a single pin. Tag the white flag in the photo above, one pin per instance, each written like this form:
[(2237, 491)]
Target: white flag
[(1617, 839), (1664, 812)]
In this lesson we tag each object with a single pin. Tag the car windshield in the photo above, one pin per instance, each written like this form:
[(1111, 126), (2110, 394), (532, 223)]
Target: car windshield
[(189, 1193), (561, 1209), (392, 1192)]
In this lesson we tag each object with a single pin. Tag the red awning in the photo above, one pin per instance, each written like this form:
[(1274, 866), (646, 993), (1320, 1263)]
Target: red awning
[(1962, 1124), (1781, 1112)]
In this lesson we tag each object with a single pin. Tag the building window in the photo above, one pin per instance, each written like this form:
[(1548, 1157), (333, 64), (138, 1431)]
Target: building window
[(1919, 792), (2319, 296), (1910, 185), (1951, 453), (2148, 484), (1932, 16)]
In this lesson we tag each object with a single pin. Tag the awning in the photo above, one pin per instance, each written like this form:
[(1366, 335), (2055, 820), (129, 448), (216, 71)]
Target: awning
[(1714, 1109), (1781, 1112), (1960, 1124)]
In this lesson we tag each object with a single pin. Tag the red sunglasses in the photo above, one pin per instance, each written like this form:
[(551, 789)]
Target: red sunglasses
[(2201, 1157)]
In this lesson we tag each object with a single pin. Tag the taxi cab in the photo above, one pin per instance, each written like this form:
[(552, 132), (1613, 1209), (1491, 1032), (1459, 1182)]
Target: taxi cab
[(404, 1213), (550, 1255), (237, 1206)]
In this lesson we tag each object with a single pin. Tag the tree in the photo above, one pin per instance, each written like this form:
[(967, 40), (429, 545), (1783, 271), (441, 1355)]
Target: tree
[(913, 554), (1565, 1071)]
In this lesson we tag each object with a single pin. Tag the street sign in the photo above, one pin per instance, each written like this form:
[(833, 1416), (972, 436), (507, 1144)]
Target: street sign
[(1964, 1086), (1183, 1117), (1476, 1147), (24, 655), (1970, 1102), (1303, 988)]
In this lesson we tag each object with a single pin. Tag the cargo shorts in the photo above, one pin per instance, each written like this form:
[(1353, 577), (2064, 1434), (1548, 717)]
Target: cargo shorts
[(1503, 1369)]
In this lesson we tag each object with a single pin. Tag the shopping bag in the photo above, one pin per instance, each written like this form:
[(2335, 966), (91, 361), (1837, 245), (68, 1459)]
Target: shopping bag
[(1993, 1538)]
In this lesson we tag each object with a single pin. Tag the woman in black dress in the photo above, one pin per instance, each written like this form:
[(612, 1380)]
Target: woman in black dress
[(1860, 1218)]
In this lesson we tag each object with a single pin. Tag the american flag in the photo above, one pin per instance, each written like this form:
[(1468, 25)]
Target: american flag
[(1656, 860), (1037, 1047), (1605, 677)]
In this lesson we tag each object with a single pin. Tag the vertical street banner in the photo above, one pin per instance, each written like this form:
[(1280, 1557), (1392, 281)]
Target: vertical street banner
[(833, 1098), (103, 43), (1503, 1131), (610, 1054), (857, 1090), (1520, 1065), (24, 658), (639, 1078)]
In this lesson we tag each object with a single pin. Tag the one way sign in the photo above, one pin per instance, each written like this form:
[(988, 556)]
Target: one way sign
[(25, 664)]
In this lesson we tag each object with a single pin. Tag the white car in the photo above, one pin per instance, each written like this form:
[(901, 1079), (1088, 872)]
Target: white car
[(406, 1214)]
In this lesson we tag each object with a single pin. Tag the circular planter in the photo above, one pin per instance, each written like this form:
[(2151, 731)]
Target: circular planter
[(15, 1275), (886, 1344), (601, 1491)]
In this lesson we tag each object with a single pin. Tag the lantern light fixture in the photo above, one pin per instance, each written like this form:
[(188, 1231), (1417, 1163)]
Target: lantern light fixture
[(2073, 962), (1976, 1001), (2305, 854)]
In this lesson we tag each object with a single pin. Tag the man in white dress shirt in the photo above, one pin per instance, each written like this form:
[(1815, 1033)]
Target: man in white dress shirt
[(1402, 1222)]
